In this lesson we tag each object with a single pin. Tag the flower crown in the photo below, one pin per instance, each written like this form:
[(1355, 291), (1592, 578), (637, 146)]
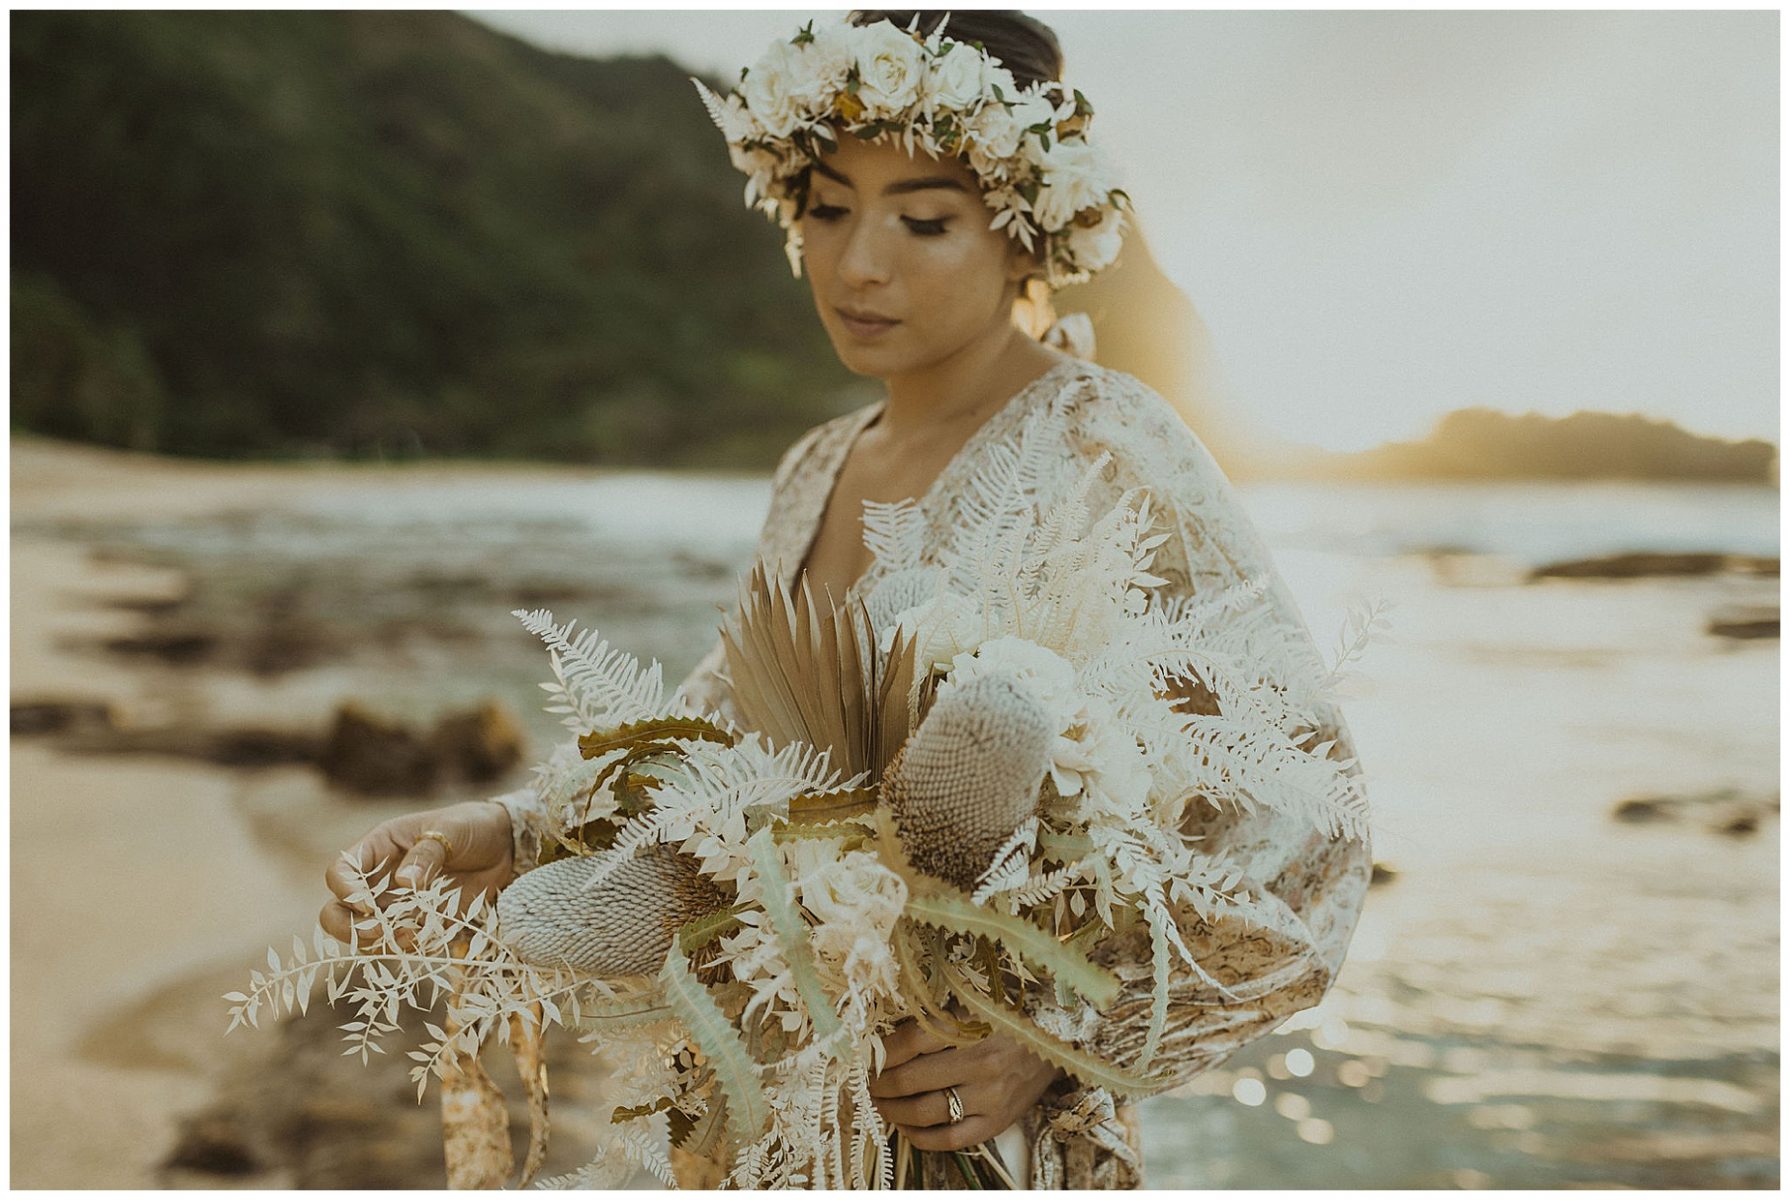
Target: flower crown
[(1028, 146)]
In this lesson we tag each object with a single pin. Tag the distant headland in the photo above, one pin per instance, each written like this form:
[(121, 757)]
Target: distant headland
[(1483, 443)]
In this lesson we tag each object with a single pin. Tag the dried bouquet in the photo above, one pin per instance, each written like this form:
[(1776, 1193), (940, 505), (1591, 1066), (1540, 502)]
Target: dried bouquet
[(937, 802)]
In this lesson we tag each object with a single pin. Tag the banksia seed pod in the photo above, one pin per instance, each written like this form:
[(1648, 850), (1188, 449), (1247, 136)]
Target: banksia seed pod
[(623, 926), (969, 776)]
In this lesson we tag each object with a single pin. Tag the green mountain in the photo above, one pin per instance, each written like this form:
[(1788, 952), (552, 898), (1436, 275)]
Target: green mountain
[(389, 233)]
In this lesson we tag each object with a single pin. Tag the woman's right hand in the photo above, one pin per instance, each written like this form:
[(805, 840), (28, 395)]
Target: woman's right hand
[(480, 858)]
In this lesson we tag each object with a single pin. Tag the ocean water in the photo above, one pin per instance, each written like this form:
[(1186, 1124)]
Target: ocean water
[(1540, 996)]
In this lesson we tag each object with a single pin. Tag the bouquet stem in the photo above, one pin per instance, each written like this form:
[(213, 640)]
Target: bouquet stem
[(980, 1167)]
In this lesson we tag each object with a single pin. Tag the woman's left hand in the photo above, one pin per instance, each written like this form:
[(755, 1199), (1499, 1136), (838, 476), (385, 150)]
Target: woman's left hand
[(997, 1080)]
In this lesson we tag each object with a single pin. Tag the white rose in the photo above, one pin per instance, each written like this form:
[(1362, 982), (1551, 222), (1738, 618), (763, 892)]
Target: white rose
[(997, 76), (1033, 108), (1074, 178), (954, 82), (994, 135), (830, 56), (775, 88), (890, 67), (1095, 248)]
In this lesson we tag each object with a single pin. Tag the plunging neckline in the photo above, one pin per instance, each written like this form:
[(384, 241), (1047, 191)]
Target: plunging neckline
[(983, 432)]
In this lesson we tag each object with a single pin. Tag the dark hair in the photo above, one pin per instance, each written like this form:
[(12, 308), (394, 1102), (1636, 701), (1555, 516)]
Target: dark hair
[(1027, 47)]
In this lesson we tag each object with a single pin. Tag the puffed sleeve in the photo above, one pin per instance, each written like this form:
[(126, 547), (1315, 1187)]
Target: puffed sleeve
[(704, 688), (1315, 881)]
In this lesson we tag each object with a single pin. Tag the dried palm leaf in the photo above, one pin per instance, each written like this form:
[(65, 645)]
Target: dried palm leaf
[(812, 673)]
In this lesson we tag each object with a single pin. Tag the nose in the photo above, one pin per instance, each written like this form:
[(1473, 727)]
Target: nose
[(865, 260)]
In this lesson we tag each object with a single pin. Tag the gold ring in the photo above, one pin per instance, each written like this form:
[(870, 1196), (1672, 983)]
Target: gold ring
[(435, 835), (954, 1104)]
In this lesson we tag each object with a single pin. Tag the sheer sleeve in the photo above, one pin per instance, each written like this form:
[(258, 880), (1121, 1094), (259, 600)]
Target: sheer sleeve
[(704, 688), (1316, 882)]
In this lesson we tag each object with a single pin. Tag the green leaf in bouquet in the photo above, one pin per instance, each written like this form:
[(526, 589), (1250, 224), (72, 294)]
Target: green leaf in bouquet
[(959, 914), (630, 1112), (1089, 1068), (694, 935), (703, 1137), (852, 835), (932, 902), (1157, 916), (926, 993), (749, 1115), (644, 1009), (602, 741), (792, 932), (828, 806)]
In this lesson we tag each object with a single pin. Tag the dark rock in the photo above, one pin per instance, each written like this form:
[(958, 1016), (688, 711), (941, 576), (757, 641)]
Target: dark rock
[(1637, 809), (366, 753), (177, 649), (1382, 874), (1644, 565), (213, 1143), (61, 716), (1738, 824), (480, 744), (1723, 810), (1744, 622), (262, 748)]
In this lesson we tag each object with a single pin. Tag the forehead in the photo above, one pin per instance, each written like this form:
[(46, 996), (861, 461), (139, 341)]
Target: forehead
[(877, 163)]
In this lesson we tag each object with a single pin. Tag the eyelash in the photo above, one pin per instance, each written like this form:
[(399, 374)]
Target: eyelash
[(832, 212)]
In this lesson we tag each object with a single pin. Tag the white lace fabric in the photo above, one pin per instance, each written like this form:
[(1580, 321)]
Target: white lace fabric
[(1084, 1137)]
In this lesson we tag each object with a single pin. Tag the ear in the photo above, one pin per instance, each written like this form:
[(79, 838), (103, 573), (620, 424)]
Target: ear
[(1021, 263)]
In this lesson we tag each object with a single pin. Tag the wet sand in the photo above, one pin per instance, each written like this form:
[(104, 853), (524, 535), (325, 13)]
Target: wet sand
[(142, 889)]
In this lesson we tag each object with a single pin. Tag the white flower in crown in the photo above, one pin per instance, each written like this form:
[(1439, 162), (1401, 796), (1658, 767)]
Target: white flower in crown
[(831, 56), (776, 89), (1099, 242), (958, 82), (1074, 179), (891, 66)]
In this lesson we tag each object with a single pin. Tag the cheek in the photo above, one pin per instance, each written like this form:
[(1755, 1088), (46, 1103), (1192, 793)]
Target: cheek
[(961, 276)]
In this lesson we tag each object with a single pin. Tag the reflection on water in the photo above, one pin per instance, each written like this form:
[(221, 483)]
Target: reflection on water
[(1542, 996)]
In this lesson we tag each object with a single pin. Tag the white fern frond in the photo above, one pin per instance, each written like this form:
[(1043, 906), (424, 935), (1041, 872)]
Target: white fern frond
[(601, 686)]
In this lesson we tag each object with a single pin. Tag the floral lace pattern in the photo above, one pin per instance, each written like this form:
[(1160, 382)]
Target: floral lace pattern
[(1085, 1137)]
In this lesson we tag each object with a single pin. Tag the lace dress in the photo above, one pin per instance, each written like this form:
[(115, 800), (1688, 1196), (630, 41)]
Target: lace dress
[(1080, 1137)]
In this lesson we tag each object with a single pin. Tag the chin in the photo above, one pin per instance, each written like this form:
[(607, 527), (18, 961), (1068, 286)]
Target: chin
[(867, 360)]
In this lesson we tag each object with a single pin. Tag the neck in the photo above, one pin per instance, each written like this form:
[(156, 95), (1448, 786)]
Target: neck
[(963, 388)]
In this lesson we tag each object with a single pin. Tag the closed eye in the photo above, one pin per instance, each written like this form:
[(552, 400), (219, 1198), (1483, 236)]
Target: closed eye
[(832, 212)]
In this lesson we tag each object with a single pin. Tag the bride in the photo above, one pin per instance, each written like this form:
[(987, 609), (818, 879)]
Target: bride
[(917, 286)]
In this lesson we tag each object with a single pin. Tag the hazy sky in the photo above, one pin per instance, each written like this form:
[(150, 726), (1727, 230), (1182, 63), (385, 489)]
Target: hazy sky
[(1386, 215)]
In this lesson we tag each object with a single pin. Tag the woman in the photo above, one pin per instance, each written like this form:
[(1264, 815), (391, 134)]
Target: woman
[(916, 287)]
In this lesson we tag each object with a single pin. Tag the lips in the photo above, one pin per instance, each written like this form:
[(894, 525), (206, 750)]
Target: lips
[(865, 323)]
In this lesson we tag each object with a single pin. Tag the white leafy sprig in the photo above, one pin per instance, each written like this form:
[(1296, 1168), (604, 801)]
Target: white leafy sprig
[(488, 984), (593, 685)]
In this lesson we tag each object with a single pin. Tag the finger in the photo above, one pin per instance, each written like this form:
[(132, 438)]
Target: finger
[(971, 1131), (421, 864), (909, 1040), (369, 854), (927, 1073), (918, 1112), (337, 920)]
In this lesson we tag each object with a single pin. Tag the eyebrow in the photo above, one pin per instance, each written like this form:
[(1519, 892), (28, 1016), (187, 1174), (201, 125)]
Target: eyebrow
[(900, 186)]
